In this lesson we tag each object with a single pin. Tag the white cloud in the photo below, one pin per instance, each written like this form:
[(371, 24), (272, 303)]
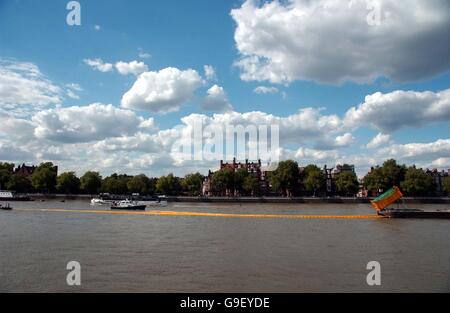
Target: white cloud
[(85, 124), (441, 163), (379, 140), (162, 92), (392, 111), (413, 152), (24, 89), (99, 65), (210, 72), (133, 67), (216, 100), (266, 90), (143, 54), (329, 41)]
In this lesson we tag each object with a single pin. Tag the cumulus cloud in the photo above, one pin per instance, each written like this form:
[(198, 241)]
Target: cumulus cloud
[(329, 41), (265, 90), (216, 100), (24, 89), (133, 67), (85, 124), (163, 91), (393, 111), (421, 152), (210, 72), (99, 65), (379, 140)]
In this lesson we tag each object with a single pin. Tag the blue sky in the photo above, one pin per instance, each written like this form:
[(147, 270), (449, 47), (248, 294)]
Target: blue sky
[(323, 66)]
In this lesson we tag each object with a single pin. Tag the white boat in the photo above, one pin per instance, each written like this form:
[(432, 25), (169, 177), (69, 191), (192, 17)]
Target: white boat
[(97, 201), (158, 201), (128, 205)]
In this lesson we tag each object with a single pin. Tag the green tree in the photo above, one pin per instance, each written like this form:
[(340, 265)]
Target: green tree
[(169, 185), (314, 179), (44, 178), (347, 184), (393, 173), (251, 186), (19, 184), (239, 178), (446, 185), (223, 181), (193, 183), (374, 181), (6, 171), (285, 179), (115, 184), (139, 184), (68, 183), (417, 183), (91, 182)]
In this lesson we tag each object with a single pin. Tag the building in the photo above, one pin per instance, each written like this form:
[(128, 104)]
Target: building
[(27, 171), (255, 169), (438, 179)]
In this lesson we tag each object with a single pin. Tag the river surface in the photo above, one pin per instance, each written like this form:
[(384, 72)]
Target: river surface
[(151, 253)]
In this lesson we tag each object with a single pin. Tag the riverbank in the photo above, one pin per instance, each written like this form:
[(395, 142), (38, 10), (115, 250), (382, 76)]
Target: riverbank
[(276, 200)]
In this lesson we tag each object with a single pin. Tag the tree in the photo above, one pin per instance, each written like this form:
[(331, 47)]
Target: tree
[(115, 184), (223, 181), (314, 179), (285, 178), (446, 185), (19, 184), (193, 183), (139, 184), (393, 173), (91, 182), (251, 186), (6, 171), (417, 183), (239, 178), (44, 178), (68, 183), (374, 181), (347, 183), (169, 185)]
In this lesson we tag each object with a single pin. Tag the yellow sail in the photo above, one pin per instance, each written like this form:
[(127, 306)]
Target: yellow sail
[(387, 199)]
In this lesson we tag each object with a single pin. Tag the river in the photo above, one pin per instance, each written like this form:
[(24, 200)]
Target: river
[(182, 253)]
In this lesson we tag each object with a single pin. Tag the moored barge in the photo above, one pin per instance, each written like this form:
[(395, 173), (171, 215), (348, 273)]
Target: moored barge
[(393, 195)]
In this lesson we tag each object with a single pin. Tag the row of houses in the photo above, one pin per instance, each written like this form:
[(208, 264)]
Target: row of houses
[(261, 173)]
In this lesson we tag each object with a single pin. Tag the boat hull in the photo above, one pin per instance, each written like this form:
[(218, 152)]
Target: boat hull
[(417, 215), (130, 208)]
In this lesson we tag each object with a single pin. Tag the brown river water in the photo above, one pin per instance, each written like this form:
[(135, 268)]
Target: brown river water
[(176, 253)]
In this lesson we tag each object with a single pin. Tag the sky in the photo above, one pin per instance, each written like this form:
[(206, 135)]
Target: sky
[(357, 81)]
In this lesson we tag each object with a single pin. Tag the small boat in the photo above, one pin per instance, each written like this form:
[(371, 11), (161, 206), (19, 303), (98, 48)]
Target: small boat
[(382, 203), (157, 201), (97, 201), (128, 205), (5, 207)]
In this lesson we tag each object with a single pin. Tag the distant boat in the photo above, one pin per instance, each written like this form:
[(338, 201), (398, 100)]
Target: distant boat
[(128, 205), (157, 201), (382, 203), (12, 196), (5, 207), (97, 201)]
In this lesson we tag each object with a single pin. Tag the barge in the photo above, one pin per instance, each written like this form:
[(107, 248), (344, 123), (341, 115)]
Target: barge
[(382, 203)]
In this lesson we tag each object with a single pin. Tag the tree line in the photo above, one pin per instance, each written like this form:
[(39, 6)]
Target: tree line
[(45, 180), (287, 180)]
